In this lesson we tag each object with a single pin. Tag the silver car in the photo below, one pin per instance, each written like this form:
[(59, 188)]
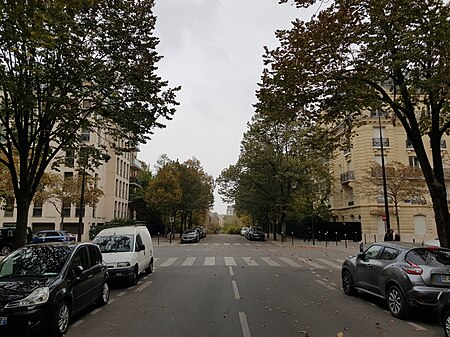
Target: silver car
[(405, 275)]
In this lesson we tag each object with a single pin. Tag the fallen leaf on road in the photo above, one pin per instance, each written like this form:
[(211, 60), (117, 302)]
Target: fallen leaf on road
[(340, 334)]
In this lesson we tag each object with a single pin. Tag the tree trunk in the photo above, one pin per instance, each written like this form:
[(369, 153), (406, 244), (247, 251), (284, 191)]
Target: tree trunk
[(397, 217), (23, 207)]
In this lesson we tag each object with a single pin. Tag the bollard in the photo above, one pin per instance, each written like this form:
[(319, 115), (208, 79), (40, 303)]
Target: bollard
[(414, 239), (374, 238), (326, 239), (336, 238), (361, 247), (292, 234), (345, 240), (158, 238), (282, 238), (365, 239), (319, 236)]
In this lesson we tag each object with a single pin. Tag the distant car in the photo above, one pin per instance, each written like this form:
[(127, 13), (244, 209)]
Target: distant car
[(434, 242), (7, 237), (190, 235), (244, 230), (52, 236), (255, 233), (43, 285), (406, 275), (444, 311)]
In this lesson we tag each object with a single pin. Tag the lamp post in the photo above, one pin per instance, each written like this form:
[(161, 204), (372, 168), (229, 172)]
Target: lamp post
[(383, 170)]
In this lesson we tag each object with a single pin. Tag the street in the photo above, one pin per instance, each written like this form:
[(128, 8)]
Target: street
[(228, 286)]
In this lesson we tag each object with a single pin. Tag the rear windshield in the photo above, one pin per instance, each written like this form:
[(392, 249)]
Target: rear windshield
[(429, 256)]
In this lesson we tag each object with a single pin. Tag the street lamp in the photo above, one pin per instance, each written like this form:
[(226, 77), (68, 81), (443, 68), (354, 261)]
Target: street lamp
[(80, 216), (383, 170)]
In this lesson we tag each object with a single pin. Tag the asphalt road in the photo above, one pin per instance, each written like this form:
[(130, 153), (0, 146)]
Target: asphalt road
[(228, 286)]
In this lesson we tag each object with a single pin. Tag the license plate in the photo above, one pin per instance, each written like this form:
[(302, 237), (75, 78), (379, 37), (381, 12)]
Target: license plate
[(445, 278), (3, 320)]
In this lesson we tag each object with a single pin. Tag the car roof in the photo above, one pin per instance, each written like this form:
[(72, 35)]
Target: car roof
[(403, 245), (120, 230)]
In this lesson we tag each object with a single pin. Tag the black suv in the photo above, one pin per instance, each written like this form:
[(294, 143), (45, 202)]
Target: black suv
[(7, 236), (43, 285)]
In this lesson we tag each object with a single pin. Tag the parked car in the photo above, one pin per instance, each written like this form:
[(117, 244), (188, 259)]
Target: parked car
[(444, 311), (202, 231), (52, 236), (127, 250), (244, 230), (190, 235), (7, 237), (405, 275), (43, 285), (255, 233)]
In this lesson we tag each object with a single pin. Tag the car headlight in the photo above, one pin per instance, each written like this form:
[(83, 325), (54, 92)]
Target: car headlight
[(39, 296), (123, 264)]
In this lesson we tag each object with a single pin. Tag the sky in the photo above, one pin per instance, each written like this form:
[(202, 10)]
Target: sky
[(213, 49)]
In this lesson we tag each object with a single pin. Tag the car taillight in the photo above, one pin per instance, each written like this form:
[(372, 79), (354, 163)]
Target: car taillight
[(413, 268)]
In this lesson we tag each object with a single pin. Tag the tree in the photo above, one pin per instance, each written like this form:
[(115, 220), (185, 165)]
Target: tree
[(356, 56), (72, 66), (403, 182)]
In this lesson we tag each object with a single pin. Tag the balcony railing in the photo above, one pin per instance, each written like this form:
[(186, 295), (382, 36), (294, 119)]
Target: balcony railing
[(347, 176), (376, 142)]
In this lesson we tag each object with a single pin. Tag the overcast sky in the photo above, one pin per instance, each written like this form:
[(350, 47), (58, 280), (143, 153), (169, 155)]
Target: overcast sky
[(213, 49)]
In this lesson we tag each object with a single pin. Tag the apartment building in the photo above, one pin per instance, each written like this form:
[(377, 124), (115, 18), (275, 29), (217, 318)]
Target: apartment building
[(113, 179), (416, 218)]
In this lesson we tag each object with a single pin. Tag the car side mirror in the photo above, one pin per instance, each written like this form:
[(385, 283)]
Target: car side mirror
[(77, 271), (141, 247), (360, 256)]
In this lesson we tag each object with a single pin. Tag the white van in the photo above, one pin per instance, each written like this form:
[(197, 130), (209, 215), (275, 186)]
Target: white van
[(127, 250)]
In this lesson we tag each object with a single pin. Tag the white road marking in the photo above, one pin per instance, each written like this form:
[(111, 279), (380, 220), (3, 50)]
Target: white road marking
[(329, 263), (216, 244), (235, 290), (77, 323), (310, 263), (270, 262), (237, 244), (210, 261), (121, 294), (230, 261), (290, 262), (189, 261), (244, 325), (230, 268), (226, 244), (250, 261), (95, 311), (325, 285), (143, 286), (111, 301), (169, 262), (339, 260)]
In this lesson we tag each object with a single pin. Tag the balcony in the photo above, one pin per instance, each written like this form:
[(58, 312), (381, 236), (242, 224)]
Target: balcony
[(347, 177), (376, 142)]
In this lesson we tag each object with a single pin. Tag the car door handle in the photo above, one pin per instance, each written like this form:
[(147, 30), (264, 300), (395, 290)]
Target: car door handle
[(90, 275)]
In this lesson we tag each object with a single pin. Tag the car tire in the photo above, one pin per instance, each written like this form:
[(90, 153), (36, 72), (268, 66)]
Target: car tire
[(60, 323), (5, 250), (149, 269), (397, 303), (134, 277), (104, 295), (347, 284), (446, 323)]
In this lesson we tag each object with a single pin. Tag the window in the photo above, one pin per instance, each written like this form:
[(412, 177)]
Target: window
[(37, 209), (414, 162), (9, 207), (69, 159), (85, 135), (372, 252), (95, 255), (81, 258), (389, 253), (138, 242)]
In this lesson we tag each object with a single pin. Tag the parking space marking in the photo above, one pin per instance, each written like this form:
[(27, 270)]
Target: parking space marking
[(325, 285), (270, 262), (250, 261), (121, 294), (77, 323), (329, 263), (210, 261), (244, 325), (95, 311), (143, 286), (230, 261), (189, 261), (417, 326), (290, 262)]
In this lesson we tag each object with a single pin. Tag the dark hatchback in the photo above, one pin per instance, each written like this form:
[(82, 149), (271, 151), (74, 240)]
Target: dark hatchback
[(405, 275), (43, 285), (255, 233)]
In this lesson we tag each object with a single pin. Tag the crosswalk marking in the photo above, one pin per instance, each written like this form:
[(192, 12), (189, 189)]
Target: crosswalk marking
[(169, 262), (230, 261), (309, 262), (216, 244), (290, 262), (250, 261), (210, 261), (329, 263), (226, 244), (270, 262), (189, 261)]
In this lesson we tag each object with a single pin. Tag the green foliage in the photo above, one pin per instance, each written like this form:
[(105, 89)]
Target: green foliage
[(71, 66), (231, 229)]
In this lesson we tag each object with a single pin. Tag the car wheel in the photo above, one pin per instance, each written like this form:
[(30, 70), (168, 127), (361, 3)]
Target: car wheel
[(5, 250), (397, 303), (347, 283), (446, 322), (60, 320), (134, 277), (149, 269), (104, 296)]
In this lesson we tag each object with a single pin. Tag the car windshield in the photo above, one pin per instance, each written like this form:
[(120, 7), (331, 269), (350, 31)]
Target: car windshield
[(115, 243), (35, 261), (429, 256), (257, 229), (189, 231)]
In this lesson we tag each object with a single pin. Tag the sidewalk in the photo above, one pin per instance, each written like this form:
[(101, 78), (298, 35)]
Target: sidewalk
[(349, 246)]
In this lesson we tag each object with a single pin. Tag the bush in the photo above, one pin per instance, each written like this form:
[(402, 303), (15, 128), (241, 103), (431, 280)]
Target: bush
[(231, 229)]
